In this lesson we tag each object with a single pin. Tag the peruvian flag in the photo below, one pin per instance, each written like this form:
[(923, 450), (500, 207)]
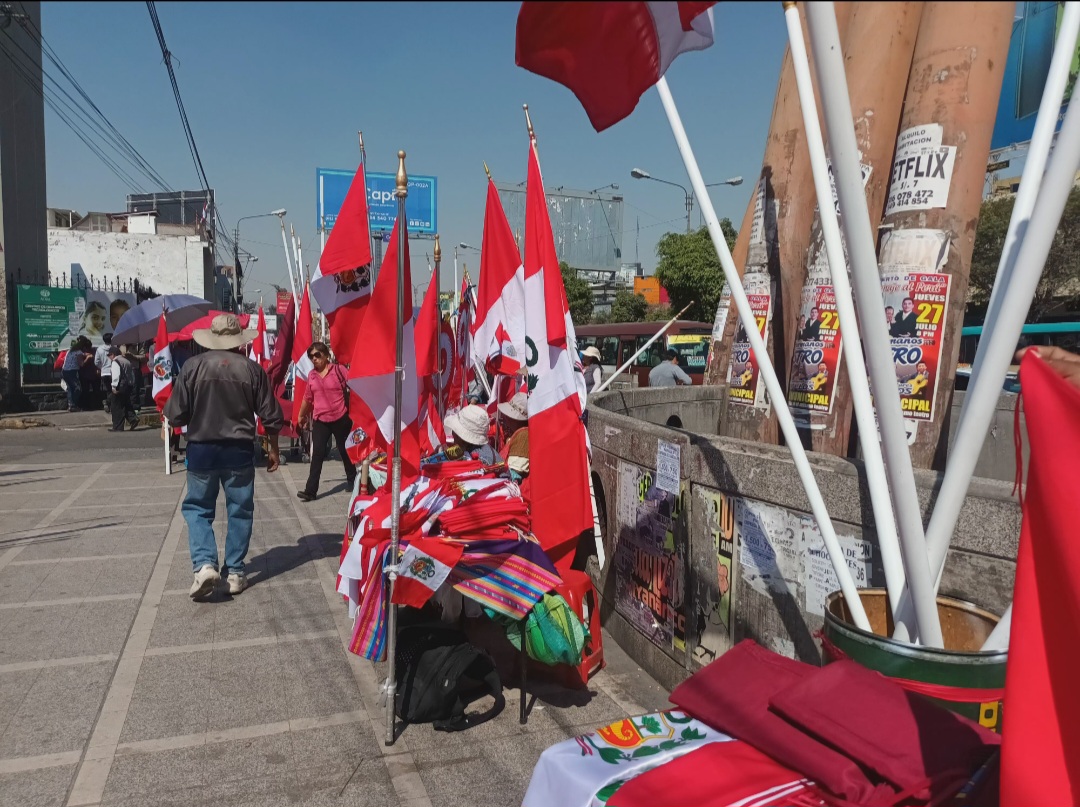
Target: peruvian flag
[(559, 465), (609, 54), (427, 332), (371, 374), (424, 566), (448, 360), (499, 331), (162, 388), (260, 348), (462, 374), (342, 281), (301, 361)]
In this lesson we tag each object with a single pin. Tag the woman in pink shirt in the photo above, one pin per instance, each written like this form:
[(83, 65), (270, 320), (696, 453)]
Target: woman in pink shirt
[(324, 404)]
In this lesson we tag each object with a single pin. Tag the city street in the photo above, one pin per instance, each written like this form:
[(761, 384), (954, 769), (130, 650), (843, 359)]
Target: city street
[(117, 689)]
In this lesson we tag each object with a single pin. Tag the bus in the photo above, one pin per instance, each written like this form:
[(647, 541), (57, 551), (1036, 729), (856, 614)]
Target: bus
[(618, 341), (1047, 334)]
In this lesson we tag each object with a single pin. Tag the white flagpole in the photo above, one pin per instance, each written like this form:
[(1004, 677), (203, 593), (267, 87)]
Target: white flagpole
[(878, 482), (481, 373), (836, 106), (1042, 139), (289, 269), (604, 385), (168, 445), (768, 373), (1000, 341)]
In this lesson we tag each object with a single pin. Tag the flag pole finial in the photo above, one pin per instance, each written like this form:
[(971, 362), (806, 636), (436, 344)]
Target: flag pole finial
[(401, 181), (528, 122), (360, 137), (487, 171), (788, 4), (438, 249)]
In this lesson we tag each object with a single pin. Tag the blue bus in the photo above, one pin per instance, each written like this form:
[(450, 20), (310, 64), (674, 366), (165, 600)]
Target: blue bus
[(1049, 334)]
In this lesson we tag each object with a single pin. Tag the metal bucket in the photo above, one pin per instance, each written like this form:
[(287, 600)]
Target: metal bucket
[(960, 677)]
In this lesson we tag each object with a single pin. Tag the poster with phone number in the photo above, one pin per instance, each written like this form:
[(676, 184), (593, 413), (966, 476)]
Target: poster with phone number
[(744, 374)]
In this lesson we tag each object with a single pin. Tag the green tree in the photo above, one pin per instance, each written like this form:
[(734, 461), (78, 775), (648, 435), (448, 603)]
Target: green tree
[(578, 294), (1060, 280), (628, 307), (659, 313), (690, 270)]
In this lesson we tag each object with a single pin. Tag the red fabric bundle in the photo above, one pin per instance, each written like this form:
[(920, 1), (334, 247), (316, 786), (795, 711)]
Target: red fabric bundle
[(732, 695), (477, 518), (734, 774), (916, 746)]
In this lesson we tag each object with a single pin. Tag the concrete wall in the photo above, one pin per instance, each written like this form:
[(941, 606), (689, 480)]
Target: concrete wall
[(169, 264), (660, 584)]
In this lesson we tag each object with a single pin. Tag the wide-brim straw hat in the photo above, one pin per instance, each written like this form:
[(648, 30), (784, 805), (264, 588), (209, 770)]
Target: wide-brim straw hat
[(470, 424), (517, 408), (592, 351), (224, 333)]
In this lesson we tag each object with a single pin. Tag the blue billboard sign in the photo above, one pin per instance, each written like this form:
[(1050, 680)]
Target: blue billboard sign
[(1030, 49), (332, 184)]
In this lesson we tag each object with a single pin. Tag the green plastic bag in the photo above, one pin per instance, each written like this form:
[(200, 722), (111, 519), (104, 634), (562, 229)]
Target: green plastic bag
[(553, 632)]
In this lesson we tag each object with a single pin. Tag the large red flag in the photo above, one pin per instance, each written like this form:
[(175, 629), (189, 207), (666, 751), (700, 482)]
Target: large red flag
[(301, 361), (279, 362), (499, 330), (163, 379), (609, 54), (260, 348), (462, 373), (371, 374), (558, 462), (1040, 745), (342, 281), (427, 332)]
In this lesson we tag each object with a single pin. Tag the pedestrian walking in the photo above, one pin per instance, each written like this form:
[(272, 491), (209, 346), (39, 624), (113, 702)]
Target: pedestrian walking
[(325, 405), (103, 362), (217, 396), (122, 380), (76, 359)]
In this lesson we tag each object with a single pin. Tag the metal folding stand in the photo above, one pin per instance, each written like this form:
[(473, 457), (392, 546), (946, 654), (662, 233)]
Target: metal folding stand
[(523, 716)]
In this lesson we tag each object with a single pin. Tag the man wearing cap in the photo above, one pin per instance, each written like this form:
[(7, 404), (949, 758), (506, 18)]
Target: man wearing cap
[(470, 431), (122, 383), (668, 373), (217, 396)]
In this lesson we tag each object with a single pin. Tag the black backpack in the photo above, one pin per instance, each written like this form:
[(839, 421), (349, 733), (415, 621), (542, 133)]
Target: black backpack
[(126, 384), (436, 667)]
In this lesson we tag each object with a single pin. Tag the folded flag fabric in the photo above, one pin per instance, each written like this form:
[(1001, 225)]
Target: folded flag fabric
[(584, 771), (423, 567), (609, 54), (369, 630), (733, 774), (506, 576)]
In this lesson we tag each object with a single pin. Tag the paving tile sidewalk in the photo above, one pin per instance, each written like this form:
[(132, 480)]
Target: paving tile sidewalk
[(117, 689)]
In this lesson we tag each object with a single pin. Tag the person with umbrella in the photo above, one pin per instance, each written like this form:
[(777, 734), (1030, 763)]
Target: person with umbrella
[(217, 396)]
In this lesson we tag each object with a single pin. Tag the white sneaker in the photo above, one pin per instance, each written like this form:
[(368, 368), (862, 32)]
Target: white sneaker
[(237, 583), (205, 581)]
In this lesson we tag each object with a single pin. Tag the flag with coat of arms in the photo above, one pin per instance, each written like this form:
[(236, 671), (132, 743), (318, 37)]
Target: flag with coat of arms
[(163, 365)]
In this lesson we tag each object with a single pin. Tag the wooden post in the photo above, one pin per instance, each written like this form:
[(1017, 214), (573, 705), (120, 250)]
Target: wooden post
[(932, 207), (771, 253), (878, 49)]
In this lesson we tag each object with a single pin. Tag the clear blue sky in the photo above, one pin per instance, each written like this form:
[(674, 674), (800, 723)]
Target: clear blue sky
[(274, 90)]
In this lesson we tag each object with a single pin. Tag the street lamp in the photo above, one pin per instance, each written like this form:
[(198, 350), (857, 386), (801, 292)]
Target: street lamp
[(237, 273), (638, 173), (461, 245)]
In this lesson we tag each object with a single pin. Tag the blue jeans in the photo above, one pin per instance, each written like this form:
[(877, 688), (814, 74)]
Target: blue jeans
[(74, 388), (198, 510)]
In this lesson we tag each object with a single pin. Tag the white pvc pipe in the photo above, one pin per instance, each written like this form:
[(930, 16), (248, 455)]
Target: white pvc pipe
[(604, 385), (999, 636), (1042, 139), (884, 522), (168, 445), (768, 372), (1000, 341), (836, 105)]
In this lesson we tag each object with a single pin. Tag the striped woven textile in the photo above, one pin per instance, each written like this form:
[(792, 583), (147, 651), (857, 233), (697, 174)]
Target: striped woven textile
[(507, 576), (369, 630)]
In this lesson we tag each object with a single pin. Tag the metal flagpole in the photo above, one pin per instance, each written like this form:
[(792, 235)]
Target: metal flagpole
[(481, 373), (438, 333), (836, 106), (768, 372), (604, 385), (401, 191), (296, 258), (289, 268), (878, 481)]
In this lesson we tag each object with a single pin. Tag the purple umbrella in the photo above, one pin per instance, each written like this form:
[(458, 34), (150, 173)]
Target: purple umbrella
[(140, 324)]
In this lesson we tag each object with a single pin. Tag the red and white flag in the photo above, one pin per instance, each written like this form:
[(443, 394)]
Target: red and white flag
[(559, 465), (609, 54), (342, 282), (260, 348), (163, 378), (499, 330), (424, 566), (463, 372), (448, 360), (371, 374), (301, 361), (427, 332)]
